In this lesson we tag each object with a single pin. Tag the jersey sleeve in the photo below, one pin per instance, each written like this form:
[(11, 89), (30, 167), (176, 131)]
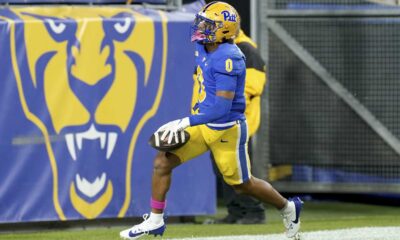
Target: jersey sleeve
[(229, 65), (226, 70), (225, 82)]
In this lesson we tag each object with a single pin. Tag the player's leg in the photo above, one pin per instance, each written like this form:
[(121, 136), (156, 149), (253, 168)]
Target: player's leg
[(164, 163), (153, 223), (242, 209), (233, 162), (252, 209), (235, 211), (262, 190)]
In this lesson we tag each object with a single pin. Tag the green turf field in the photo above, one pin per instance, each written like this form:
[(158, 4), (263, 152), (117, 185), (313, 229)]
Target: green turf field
[(316, 216)]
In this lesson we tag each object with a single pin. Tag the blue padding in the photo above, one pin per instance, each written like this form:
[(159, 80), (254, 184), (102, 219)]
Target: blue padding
[(304, 173)]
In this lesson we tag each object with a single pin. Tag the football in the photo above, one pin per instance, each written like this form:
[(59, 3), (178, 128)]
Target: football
[(156, 142)]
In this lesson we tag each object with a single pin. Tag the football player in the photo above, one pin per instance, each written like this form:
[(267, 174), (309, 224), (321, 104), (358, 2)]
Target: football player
[(219, 125), (243, 209)]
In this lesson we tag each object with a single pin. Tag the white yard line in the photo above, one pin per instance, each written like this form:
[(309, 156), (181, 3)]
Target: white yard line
[(367, 233)]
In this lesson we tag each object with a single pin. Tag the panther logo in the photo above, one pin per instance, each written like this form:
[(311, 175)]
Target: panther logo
[(80, 76)]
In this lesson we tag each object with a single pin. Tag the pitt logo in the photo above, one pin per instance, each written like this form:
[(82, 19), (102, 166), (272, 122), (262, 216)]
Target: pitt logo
[(79, 76), (231, 17)]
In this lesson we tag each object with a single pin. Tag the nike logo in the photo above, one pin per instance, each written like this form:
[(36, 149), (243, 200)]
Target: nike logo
[(298, 204), (132, 234), (224, 141), (140, 232)]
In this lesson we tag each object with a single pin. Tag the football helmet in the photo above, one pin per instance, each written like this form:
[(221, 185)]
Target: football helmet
[(215, 23)]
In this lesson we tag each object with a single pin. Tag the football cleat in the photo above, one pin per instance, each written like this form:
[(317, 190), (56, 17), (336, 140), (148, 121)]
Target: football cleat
[(291, 220), (147, 227)]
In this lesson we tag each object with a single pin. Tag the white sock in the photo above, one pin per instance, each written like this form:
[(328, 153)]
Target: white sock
[(289, 208), (156, 217)]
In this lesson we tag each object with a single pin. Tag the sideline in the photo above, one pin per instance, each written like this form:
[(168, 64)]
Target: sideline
[(365, 233)]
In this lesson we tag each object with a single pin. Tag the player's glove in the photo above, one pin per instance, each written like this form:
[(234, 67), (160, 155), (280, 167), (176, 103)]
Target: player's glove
[(171, 129), (167, 125)]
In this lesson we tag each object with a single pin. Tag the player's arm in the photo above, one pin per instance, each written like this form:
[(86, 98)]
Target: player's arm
[(226, 80), (225, 92), (225, 72)]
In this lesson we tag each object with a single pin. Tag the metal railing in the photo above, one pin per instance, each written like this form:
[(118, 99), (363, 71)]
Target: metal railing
[(330, 111)]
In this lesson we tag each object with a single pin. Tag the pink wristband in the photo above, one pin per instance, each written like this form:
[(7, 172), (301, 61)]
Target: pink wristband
[(157, 204)]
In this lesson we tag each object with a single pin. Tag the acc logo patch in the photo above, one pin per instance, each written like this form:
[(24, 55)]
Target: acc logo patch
[(80, 74)]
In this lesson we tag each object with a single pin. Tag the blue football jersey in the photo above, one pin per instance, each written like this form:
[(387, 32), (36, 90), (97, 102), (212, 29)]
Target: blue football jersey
[(229, 61)]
